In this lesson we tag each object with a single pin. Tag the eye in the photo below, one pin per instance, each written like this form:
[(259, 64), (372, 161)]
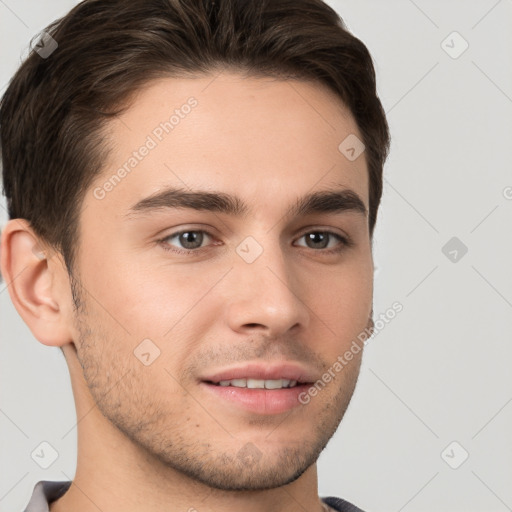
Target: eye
[(320, 240), (190, 239)]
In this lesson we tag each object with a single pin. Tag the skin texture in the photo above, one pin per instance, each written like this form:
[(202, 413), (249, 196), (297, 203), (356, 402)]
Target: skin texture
[(150, 436)]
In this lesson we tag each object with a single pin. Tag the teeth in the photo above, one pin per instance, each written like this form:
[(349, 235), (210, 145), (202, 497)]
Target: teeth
[(259, 383), (255, 383)]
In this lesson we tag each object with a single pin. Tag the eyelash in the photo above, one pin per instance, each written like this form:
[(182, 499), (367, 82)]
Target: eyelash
[(345, 242)]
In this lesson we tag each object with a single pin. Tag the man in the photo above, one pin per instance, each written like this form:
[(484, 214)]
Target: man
[(193, 187)]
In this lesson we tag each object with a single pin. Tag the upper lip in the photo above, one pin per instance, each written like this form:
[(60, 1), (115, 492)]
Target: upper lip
[(263, 371)]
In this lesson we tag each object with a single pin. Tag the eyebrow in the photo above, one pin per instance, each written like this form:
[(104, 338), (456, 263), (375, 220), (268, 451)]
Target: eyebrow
[(324, 201)]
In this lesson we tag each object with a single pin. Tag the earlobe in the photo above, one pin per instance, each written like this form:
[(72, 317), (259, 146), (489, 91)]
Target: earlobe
[(33, 284)]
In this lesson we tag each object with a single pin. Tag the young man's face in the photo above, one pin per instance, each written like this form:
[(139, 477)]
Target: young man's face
[(268, 287)]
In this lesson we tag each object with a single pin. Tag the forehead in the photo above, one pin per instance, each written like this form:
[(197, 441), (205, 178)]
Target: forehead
[(263, 139)]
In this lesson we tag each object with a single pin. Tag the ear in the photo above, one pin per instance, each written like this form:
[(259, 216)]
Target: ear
[(37, 287), (370, 325)]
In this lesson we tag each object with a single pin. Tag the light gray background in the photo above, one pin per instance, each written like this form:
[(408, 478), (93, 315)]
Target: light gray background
[(440, 371)]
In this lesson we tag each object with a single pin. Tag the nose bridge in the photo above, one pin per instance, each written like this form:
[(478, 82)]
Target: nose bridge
[(263, 289)]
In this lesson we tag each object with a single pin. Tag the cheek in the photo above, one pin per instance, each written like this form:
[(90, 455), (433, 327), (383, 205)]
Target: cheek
[(150, 300), (343, 296), (342, 307)]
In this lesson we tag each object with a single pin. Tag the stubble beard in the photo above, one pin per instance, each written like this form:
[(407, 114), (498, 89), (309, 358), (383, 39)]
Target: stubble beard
[(164, 440)]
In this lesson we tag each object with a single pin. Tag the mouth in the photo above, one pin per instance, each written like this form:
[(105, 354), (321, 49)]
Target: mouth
[(258, 383), (259, 387), (257, 396)]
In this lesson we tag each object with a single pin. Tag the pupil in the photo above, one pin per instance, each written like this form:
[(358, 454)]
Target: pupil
[(314, 236), (191, 235)]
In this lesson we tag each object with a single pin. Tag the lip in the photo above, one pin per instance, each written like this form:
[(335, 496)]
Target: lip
[(262, 371), (260, 401)]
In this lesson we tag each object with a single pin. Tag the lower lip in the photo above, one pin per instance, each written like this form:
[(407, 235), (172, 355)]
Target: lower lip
[(261, 401)]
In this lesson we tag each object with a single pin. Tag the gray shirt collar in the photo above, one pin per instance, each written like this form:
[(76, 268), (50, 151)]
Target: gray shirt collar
[(46, 491)]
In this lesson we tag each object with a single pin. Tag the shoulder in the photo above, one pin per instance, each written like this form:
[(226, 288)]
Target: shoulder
[(340, 504)]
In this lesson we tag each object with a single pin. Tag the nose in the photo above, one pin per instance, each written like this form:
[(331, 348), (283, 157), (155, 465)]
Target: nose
[(266, 295)]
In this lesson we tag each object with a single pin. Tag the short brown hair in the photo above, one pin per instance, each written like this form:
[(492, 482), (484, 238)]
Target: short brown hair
[(56, 105)]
